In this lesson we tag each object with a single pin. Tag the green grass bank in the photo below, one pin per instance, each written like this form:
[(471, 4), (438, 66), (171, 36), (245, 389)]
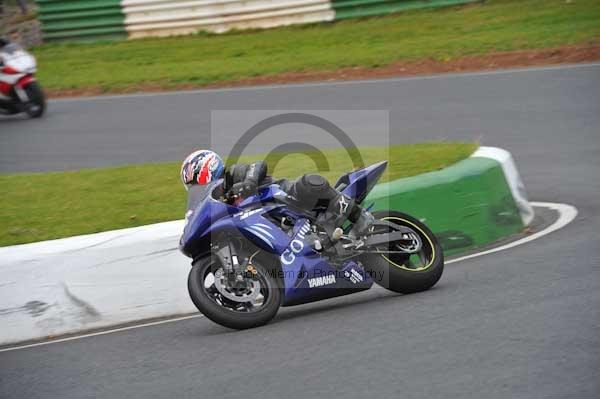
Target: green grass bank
[(43, 206), (445, 34)]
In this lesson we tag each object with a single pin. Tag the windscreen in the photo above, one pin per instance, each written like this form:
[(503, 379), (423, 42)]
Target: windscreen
[(197, 193), (11, 48)]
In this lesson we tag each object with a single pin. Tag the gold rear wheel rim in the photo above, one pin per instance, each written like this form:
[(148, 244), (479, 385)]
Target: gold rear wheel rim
[(423, 234)]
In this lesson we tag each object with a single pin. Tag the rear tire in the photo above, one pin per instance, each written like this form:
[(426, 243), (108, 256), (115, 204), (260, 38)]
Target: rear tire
[(226, 316), (397, 272), (36, 106)]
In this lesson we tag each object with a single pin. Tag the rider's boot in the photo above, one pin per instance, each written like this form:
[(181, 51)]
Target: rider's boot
[(362, 220), (343, 208)]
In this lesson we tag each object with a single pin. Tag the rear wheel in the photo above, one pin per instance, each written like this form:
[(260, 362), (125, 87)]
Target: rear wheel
[(37, 103), (406, 273), (247, 303)]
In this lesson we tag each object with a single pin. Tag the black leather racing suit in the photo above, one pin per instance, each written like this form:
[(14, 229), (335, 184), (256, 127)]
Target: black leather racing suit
[(310, 192)]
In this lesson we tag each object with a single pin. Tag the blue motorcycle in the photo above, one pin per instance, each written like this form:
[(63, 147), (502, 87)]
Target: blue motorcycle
[(266, 252)]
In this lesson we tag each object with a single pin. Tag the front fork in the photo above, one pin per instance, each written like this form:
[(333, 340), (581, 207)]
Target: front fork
[(19, 89), (235, 271), (21, 94)]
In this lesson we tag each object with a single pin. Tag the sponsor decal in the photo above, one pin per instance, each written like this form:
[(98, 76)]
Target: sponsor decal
[(251, 170), (321, 281), (245, 214), (296, 246), (343, 205), (354, 276)]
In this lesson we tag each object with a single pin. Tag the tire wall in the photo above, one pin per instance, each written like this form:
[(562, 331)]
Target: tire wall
[(91, 20), (168, 18), (81, 20), (346, 9)]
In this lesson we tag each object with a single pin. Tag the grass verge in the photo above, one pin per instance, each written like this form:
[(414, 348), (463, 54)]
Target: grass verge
[(42, 206), (443, 35)]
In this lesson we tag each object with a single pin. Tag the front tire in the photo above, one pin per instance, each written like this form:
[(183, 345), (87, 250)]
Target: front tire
[(404, 273), (36, 106), (9, 109), (226, 312)]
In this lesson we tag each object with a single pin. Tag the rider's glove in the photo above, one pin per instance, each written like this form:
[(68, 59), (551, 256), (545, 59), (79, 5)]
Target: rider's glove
[(244, 189)]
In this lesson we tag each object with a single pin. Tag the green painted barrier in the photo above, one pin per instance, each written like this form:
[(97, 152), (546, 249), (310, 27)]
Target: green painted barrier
[(89, 20), (81, 20), (345, 9), (467, 205)]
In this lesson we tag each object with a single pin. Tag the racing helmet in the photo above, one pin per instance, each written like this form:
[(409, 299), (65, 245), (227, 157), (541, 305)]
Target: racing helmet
[(201, 167)]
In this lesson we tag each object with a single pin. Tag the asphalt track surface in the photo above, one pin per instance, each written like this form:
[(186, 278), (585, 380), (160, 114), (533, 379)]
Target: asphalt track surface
[(523, 323)]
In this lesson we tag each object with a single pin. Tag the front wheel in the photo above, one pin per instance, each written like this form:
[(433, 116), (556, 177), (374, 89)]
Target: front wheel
[(251, 302), (406, 273), (36, 105)]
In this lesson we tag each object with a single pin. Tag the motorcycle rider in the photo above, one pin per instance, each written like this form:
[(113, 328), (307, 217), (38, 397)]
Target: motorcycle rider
[(308, 192), (3, 43)]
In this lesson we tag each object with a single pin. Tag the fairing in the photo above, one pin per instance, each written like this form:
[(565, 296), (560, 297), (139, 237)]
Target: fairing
[(16, 72), (359, 183), (305, 274)]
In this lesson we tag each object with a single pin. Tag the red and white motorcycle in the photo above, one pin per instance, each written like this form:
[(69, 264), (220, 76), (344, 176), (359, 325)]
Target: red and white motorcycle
[(19, 90)]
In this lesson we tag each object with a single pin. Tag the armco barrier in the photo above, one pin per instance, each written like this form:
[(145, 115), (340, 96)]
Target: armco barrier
[(345, 9), (81, 19), (100, 19), (166, 18), (98, 280)]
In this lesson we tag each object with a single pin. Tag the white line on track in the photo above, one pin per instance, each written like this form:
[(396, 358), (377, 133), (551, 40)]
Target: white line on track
[(567, 214), (94, 334), (336, 83)]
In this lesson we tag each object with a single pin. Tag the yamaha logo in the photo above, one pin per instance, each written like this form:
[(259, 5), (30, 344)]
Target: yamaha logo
[(321, 281)]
